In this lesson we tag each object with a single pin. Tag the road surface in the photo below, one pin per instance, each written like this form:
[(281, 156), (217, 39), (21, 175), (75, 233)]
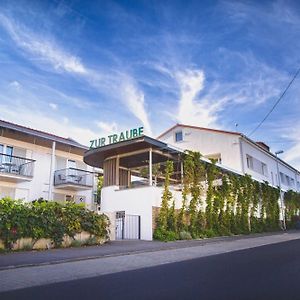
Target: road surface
[(265, 272)]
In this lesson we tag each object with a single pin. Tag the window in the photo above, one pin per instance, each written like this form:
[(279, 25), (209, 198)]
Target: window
[(282, 178), (292, 182), (272, 177), (71, 163), (287, 180), (9, 150), (249, 161), (69, 198), (264, 169), (178, 136), (256, 165)]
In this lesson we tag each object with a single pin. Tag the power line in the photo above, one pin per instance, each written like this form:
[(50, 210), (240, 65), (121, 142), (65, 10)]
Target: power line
[(276, 103)]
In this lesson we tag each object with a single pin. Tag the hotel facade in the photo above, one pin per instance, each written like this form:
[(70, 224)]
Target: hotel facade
[(36, 164), (133, 171)]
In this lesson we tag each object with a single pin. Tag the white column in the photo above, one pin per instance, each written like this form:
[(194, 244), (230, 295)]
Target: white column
[(150, 166), (52, 166)]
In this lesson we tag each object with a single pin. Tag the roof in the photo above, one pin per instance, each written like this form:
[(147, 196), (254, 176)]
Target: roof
[(197, 127), (40, 134), (96, 157), (234, 133)]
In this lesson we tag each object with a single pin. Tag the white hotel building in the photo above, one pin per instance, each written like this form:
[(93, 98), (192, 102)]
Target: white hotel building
[(235, 151), (133, 196), (36, 164)]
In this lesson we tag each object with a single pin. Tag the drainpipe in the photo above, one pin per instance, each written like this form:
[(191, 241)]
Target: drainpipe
[(52, 166)]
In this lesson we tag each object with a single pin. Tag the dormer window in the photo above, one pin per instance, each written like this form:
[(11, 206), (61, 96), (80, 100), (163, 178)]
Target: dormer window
[(178, 136)]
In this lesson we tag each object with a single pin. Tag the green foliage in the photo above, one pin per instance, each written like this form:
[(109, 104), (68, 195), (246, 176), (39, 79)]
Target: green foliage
[(235, 204), (42, 219), (100, 181), (185, 235), (164, 235), (76, 243), (163, 219), (292, 204)]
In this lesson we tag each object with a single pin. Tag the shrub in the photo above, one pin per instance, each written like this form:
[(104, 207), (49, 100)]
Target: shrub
[(165, 235), (76, 243), (42, 219), (185, 235), (209, 233), (92, 240)]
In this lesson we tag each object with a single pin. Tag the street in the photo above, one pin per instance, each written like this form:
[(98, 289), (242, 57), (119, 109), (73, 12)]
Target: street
[(266, 272)]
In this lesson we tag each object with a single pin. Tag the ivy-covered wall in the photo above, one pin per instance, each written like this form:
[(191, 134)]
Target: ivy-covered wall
[(217, 203), (48, 220)]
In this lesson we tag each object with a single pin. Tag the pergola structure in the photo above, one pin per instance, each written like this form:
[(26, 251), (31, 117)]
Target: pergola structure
[(135, 157)]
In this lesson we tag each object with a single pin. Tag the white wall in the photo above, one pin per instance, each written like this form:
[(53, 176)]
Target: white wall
[(39, 185), (233, 149), (270, 161), (136, 201), (207, 143)]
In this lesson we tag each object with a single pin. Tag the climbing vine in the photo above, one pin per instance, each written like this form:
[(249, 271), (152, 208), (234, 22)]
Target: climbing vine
[(217, 203)]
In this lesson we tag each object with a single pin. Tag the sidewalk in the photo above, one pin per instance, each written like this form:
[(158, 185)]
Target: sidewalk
[(114, 248), (18, 278)]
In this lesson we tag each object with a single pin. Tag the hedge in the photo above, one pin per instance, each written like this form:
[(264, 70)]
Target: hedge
[(47, 219)]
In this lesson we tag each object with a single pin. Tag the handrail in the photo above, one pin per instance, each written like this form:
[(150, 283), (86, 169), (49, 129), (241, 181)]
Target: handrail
[(20, 157), (16, 165), (75, 169), (73, 176)]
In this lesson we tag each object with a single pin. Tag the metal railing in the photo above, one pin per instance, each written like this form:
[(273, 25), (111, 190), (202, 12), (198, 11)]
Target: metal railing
[(16, 165), (73, 176)]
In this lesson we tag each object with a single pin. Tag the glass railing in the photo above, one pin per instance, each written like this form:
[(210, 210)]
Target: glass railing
[(16, 165), (73, 176)]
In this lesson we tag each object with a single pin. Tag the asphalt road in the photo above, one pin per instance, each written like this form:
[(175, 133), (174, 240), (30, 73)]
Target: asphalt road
[(267, 272)]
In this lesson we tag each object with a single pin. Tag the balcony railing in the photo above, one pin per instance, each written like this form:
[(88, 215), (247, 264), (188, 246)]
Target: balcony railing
[(16, 165), (74, 177)]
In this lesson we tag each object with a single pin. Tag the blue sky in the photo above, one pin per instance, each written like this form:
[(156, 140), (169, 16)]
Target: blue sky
[(83, 69)]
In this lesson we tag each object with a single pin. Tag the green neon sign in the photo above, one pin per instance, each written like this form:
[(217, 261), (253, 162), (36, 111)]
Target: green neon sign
[(116, 138)]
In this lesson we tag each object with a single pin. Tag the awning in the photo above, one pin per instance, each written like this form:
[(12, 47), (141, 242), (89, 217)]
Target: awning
[(131, 152)]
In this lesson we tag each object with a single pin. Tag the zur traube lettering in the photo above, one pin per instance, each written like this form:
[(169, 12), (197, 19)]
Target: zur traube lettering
[(116, 138)]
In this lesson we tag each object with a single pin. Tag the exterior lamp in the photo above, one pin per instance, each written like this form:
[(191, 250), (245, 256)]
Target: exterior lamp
[(279, 184)]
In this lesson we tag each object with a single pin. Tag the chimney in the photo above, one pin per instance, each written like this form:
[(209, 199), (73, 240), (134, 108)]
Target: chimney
[(263, 145)]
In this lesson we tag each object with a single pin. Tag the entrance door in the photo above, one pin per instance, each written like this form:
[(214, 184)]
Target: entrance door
[(127, 226)]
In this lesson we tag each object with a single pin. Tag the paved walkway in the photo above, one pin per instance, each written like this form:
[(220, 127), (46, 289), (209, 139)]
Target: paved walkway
[(18, 278), (114, 248)]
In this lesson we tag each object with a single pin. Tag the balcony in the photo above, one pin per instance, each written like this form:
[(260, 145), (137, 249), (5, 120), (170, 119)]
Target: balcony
[(73, 179), (15, 168)]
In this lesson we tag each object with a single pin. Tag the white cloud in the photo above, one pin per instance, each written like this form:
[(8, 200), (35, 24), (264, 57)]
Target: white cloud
[(16, 85), (38, 119), (53, 106), (107, 128), (290, 131), (134, 99), (42, 48), (201, 112)]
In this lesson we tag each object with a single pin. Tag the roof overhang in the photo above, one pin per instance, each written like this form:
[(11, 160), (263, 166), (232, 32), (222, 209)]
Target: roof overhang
[(44, 139), (133, 152)]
